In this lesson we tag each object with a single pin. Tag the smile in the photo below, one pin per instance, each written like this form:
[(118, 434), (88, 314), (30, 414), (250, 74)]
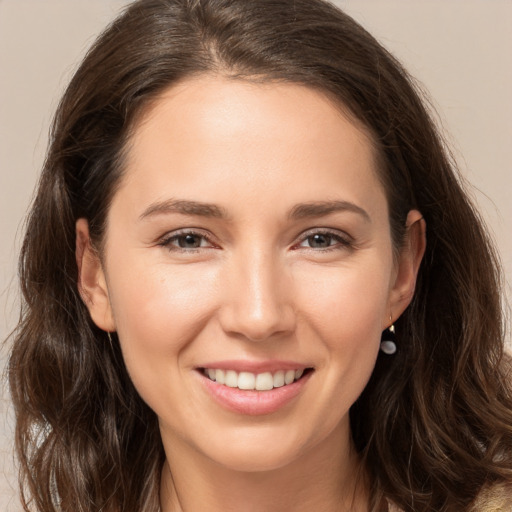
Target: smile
[(253, 381), (264, 390)]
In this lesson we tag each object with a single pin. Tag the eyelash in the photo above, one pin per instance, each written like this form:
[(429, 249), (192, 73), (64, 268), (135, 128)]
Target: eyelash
[(342, 241)]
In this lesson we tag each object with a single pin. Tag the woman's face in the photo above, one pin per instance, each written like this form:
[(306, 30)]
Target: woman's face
[(248, 243)]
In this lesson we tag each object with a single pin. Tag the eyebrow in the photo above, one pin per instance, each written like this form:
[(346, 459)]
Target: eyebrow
[(185, 208), (320, 208), (299, 211)]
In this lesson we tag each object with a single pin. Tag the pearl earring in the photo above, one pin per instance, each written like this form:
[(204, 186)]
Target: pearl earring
[(388, 342)]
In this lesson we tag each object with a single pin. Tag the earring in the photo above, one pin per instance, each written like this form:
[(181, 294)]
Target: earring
[(388, 342), (110, 340)]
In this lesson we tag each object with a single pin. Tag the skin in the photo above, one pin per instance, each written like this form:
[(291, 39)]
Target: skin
[(259, 287)]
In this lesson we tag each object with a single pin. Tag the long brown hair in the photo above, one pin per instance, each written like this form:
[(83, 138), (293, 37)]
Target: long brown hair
[(434, 424)]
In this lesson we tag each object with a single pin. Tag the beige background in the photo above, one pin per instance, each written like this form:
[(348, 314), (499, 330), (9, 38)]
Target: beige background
[(460, 50)]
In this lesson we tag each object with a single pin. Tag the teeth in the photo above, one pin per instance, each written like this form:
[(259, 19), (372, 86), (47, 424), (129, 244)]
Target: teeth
[(246, 380), (289, 376), (279, 379), (264, 381), (231, 379), (219, 376), (250, 381)]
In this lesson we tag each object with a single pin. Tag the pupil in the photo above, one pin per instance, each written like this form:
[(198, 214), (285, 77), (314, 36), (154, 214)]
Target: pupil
[(320, 241), (189, 241)]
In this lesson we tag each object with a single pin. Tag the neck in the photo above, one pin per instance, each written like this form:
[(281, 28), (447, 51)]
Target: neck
[(322, 479)]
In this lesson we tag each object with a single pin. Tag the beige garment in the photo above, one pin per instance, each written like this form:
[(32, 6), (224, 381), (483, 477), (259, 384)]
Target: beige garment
[(497, 499)]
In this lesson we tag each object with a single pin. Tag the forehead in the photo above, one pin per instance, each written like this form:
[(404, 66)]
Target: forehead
[(238, 104), (212, 136)]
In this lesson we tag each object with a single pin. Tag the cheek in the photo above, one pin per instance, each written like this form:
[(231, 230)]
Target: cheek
[(158, 298), (345, 310), (347, 305), (157, 314)]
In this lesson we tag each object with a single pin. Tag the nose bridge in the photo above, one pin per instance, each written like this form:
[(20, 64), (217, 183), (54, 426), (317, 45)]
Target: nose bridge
[(258, 305)]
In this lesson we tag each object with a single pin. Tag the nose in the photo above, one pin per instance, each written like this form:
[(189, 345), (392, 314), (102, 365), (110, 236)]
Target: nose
[(257, 301)]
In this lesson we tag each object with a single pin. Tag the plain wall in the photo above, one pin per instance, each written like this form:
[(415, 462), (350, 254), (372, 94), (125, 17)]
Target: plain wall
[(459, 49)]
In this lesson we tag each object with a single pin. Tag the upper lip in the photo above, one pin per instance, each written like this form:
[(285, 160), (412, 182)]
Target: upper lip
[(255, 366)]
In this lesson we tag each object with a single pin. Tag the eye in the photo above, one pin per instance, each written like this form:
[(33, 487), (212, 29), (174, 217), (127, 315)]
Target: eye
[(186, 241), (189, 241), (324, 240), (319, 241)]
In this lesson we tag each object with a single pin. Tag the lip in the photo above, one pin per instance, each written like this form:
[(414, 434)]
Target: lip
[(252, 402), (271, 366)]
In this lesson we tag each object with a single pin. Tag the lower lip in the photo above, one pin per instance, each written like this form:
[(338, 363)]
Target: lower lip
[(253, 402)]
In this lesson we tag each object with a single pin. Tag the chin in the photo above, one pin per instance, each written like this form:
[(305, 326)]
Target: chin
[(246, 463), (255, 453)]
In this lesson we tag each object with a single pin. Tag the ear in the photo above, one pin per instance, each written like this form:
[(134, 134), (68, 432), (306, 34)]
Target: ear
[(408, 264), (92, 283)]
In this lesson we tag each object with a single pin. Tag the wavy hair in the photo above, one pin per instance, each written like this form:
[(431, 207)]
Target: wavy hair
[(434, 424)]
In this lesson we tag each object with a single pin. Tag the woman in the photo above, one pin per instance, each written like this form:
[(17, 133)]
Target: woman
[(252, 280)]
